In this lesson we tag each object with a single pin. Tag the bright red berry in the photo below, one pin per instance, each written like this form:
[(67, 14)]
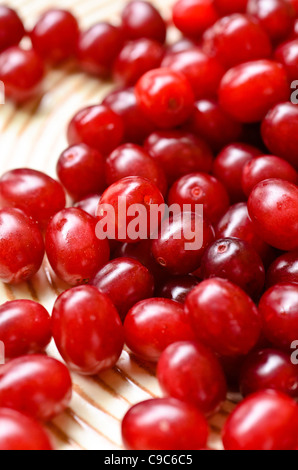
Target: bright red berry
[(226, 7), (192, 17), (287, 55)]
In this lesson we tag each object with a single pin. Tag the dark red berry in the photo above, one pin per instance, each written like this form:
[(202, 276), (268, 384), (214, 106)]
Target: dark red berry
[(142, 20), (11, 27), (283, 269), (177, 287)]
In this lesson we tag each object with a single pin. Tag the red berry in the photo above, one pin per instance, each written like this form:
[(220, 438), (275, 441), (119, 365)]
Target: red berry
[(213, 124), (34, 192), (124, 103), (236, 39), (177, 287), (204, 73), (98, 47), (20, 432), (73, 249), (236, 261), (21, 246), (263, 168), (279, 310), (191, 372), (125, 281), (287, 55), (11, 27), (273, 209), (269, 368), (182, 241), (153, 324), (200, 188), (244, 92), (136, 58), (141, 20), (280, 131), (96, 126), (283, 269), (226, 7), (266, 420), (276, 16), (165, 96), (55, 35), (179, 153), (228, 168), (25, 327), (132, 160), (81, 171), (223, 317), (192, 17), (87, 330), (21, 71), (183, 44), (89, 204), (120, 199), (38, 386)]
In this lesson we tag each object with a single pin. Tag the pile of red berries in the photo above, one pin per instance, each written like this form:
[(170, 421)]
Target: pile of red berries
[(207, 120)]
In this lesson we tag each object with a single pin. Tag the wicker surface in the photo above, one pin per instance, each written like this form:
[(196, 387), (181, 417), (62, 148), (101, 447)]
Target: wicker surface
[(33, 136)]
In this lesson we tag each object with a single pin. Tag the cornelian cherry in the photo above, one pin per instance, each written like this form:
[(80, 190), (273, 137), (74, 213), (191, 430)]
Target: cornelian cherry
[(11, 27), (192, 373), (165, 96), (142, 20), (192, 17), (34, 192), (223, 317), (153, 324), (87, 330), (96, 126), (25, 327), (36, 385), (287, 55), (55, 35), (164, 424), (283, 269)]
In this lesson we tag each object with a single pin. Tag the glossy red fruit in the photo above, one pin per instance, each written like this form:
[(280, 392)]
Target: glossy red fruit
[(276, 16), (11, 27), (228, 168), (203, 72), (142, 20), (165, 97), (200, 188), (283, 269), (192, 17), (25, 327), (244, 91), (269, 369), (136, 58), (287, 55), (226, 7), (179, 153), (236, 39), (20, 432), (223, 317), (21, 71), (98, 47), (279, 310), (266, 167), (213, 124), (133, 160), (181, 242), (87, 330), (191, 372), (124, 103), (237, 224), (55, 35), (273, 209), (96, 126), (34, 192), (153, 324), (237, 261), (279, 131), (164, 424), (81, 170), (21, 246), (74, 251), (36, 385), (126, 282), (118, 203), (177, 288), (89, 204), (267, 420)]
